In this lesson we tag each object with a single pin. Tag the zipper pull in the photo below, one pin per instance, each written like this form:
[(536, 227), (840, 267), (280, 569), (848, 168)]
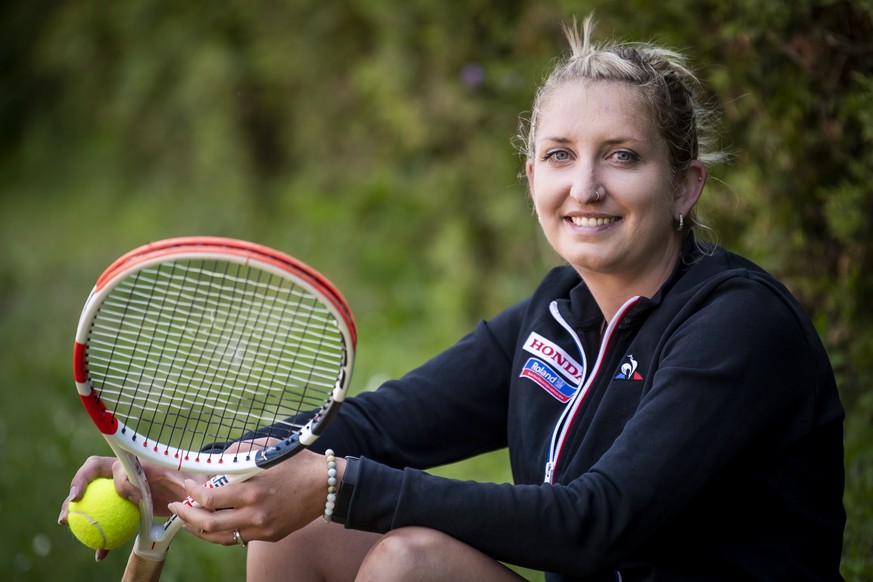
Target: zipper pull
[(549, 466)]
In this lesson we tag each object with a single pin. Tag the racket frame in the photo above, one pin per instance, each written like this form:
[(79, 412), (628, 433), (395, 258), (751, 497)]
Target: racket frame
[(129, 446)]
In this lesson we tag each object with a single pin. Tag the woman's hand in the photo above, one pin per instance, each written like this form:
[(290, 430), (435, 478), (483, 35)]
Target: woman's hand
[(267, 507), (166, 486)]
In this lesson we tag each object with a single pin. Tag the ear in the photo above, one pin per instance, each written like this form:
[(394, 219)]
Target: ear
[(690, 188), (529, 172)]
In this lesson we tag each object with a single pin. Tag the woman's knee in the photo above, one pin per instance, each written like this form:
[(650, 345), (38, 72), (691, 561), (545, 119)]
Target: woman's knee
[(311, 554), (409, 544), (416, 553), (401, 553)]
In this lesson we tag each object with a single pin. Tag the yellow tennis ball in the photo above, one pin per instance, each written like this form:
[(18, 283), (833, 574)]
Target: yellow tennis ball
[(102, 519)]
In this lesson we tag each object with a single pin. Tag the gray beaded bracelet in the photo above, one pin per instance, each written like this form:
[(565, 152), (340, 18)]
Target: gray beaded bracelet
[(331, 486)]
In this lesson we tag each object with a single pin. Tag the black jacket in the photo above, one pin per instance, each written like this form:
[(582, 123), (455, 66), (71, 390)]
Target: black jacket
[(705, 441)]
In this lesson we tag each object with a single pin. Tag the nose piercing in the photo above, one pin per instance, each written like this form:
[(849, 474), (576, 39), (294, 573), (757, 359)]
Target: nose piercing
[(597, 195)]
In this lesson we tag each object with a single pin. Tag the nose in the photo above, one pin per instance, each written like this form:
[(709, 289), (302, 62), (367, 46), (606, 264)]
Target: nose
[(584, 187)]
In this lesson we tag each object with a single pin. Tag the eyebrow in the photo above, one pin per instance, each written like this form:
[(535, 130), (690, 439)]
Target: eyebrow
[(611, 141), (555, 139)]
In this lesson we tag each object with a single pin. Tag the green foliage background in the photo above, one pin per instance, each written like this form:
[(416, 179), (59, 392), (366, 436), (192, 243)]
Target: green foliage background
[(373, 139)]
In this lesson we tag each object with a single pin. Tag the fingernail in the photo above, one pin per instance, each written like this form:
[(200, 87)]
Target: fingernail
[(62, 518)]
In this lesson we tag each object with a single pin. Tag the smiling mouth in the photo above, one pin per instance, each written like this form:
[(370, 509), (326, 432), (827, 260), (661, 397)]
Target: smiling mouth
[(586, 221)]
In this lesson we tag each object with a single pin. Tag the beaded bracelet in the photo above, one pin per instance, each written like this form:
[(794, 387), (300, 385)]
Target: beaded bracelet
[(331, 486)]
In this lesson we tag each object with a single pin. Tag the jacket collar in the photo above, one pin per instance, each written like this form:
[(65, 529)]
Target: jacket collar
[(586, 314)]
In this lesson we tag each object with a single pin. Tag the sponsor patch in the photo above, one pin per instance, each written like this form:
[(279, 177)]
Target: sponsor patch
[(548, 379), (550, 352)]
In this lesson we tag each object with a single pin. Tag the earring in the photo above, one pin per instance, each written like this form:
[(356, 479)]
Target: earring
[(681, 223)]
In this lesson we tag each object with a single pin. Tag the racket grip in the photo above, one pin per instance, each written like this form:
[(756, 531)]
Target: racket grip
[(141, 569)]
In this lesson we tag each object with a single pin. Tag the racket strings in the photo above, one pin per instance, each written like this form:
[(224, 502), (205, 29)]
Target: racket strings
[(206, 292), (190, 353), (259, 411), (298, 405)]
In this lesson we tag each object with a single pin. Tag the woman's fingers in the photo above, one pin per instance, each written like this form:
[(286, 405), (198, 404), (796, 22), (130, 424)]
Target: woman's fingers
[(266, 507), (123, 485), (213, 519), (93, 468)]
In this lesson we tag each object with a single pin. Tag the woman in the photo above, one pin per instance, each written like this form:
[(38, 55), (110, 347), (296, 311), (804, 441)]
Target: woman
[(669, 410)]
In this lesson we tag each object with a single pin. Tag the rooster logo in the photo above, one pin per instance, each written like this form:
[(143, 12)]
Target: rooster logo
[(628, 370)]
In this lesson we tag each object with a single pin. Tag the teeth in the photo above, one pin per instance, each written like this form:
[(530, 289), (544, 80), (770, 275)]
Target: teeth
[(583, 221)]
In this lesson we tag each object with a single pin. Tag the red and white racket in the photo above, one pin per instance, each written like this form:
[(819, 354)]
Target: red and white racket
[(192, 341)]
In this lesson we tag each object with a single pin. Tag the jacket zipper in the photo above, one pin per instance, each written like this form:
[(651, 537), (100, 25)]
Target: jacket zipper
[(562, 427)]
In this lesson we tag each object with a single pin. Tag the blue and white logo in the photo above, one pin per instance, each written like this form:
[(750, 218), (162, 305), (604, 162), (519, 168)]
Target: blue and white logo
[(548, 379)]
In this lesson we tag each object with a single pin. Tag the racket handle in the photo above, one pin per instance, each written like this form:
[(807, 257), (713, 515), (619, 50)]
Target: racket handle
[(141, 569)]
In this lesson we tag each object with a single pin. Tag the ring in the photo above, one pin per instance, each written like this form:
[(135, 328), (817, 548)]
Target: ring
[(597, 195), (239, 539)]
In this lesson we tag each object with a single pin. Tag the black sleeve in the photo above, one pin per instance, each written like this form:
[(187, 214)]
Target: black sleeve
[(450, 408), (279, 430)]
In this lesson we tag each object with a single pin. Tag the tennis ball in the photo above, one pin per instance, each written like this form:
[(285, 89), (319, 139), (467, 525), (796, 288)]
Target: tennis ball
[(102, 519)]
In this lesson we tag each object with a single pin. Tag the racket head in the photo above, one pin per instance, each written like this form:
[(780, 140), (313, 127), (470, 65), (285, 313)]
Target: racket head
[(192, 341)]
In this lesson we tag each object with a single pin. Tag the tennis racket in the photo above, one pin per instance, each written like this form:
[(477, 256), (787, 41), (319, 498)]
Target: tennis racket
[(189, 342)]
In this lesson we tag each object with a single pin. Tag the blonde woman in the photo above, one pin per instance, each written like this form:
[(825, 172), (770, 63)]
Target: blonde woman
[(669, 410)]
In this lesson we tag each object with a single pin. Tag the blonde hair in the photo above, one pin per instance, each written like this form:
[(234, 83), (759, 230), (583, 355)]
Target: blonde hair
[(664, 80)]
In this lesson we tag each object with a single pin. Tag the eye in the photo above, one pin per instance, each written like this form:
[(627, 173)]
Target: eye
[(626, 156), (557, 155)]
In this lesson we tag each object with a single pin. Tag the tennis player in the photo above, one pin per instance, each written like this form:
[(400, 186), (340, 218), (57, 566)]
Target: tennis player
[(669, 409)]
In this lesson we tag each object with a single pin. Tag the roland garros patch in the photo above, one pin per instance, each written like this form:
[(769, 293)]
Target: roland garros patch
[(546, 378)]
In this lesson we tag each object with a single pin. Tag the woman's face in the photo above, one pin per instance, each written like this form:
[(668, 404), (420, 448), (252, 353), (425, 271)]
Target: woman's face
[(600, 136)]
